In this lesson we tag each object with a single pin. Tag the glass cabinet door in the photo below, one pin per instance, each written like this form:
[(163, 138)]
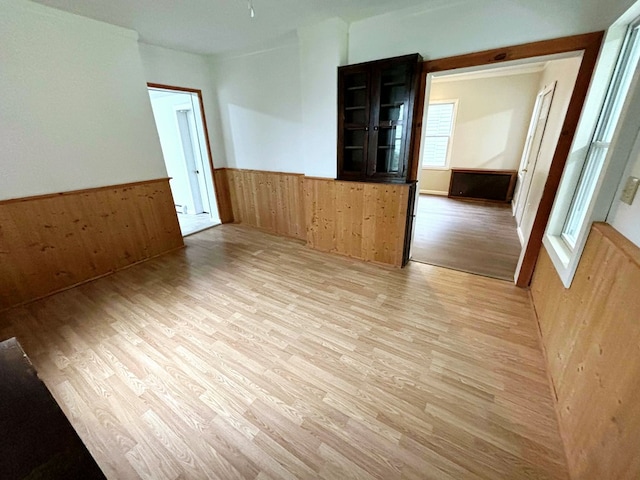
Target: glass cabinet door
[(389, 128), (355, 124), (376, 103)]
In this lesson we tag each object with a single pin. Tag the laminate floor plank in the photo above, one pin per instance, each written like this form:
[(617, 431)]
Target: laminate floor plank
[(470, 236), (249, 356)]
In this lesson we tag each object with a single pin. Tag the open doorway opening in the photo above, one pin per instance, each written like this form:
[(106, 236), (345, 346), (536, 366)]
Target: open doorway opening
[(489, 136), (180, 122)]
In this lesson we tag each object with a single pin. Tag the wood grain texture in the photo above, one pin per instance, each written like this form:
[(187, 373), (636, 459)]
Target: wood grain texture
[(360, 220), (251, 356), (52, 242), (223, 195), (271, 201), (470, 236), (591, 336)]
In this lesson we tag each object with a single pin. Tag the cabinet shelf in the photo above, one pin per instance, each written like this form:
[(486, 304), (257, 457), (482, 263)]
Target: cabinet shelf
[(376, 105), (390, 123)]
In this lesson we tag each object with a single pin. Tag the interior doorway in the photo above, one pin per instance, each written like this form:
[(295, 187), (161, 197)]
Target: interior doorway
[(179, 118), (489, 135)]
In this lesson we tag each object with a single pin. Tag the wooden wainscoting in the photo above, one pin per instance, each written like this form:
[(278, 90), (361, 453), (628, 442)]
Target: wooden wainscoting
[(361, 220), (591, 334), (271, 201), (51, 242), (223, 195)]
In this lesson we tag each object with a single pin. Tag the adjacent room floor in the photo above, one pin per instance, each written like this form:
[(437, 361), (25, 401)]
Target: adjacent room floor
[(471, 236), (190, 224), (251, 356)]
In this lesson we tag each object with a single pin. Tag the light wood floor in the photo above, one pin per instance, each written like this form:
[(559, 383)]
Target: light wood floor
[(190, 224), (251, 356), (466, 235)]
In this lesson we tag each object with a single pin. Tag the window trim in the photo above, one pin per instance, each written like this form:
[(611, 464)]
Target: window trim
[(563, 256), (447, 164)]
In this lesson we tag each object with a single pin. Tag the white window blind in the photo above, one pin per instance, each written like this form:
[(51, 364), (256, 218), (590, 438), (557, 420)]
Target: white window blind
[(439, 132)]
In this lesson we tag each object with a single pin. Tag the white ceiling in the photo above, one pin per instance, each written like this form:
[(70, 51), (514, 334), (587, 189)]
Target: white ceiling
[(490, 72), (216, 26)]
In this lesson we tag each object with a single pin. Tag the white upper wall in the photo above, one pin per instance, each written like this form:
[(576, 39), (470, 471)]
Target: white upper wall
[(493, 118), (626, 218), (464, 26), (259, 97), (323, 47), (259, 93), (491, 123), (75, 111)]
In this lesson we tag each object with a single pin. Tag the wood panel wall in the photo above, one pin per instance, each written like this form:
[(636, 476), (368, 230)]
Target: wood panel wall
[(271, 201), (51, 242), (361, 220), (591, 336), (223, 195)]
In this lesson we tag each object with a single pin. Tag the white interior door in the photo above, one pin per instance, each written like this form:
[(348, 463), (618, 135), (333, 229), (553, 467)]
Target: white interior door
[(532, 148), (193, 170)]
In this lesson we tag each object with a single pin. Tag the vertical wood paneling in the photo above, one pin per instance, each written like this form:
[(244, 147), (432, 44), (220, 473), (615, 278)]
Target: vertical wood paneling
[(591, 335), (361, 220), (223, 195), (270, 201), (52, 242)]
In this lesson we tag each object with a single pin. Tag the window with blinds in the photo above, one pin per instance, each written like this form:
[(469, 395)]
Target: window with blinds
[(439, 134)]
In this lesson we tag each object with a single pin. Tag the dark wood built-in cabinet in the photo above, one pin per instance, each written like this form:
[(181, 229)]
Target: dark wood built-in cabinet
[(494, 185), (376, 108)]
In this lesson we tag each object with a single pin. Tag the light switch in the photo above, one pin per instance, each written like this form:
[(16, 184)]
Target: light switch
[(630, 189)]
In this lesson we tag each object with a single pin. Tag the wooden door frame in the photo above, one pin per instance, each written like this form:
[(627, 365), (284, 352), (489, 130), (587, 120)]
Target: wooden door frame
[(216, 187), (589, 44)]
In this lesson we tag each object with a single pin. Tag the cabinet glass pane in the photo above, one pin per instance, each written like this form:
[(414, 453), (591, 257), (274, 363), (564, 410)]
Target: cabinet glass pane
[(354, 142), (389, 149), (355, 98), (355, 115), (354, 138), (353, 160), (394, 92)]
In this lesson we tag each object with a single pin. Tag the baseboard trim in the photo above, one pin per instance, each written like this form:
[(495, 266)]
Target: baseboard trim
[(520, 236), (81, 235), (88, 280), (434, 192)]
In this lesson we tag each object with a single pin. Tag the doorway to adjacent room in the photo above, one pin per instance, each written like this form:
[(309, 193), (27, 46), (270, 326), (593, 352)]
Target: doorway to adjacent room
[(179, 119), (488, 142)]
